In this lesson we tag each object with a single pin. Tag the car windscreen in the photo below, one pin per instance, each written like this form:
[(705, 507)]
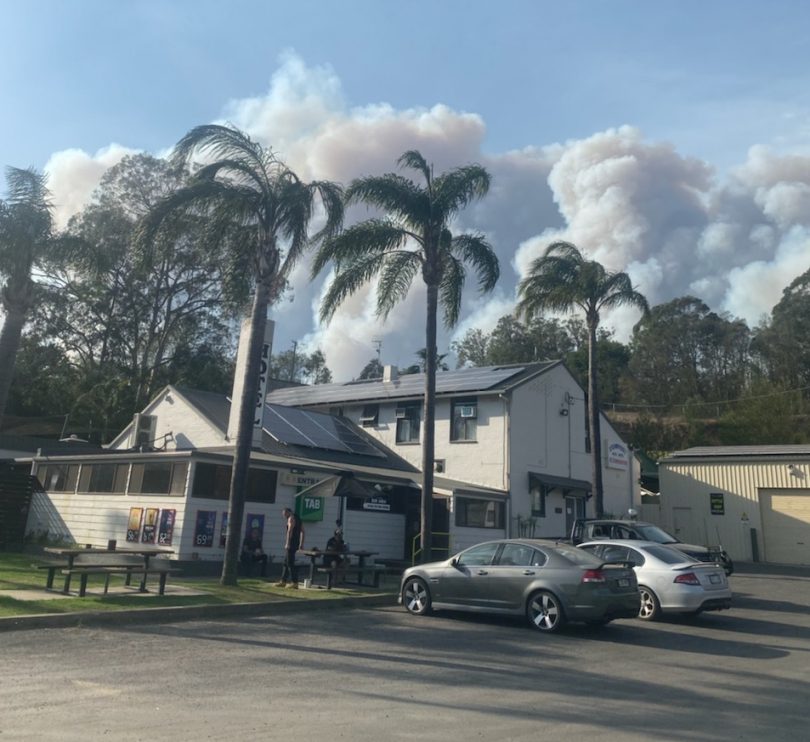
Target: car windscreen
[(654, 533), (577, 555), (667, 554)]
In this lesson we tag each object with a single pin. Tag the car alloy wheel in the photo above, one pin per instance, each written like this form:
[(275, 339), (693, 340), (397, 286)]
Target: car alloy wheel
[(416, 597), (650, 608), (545, 612)]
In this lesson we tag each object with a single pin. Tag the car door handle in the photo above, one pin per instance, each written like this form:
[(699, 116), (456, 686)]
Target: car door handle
[(482, 572), (528, 572)]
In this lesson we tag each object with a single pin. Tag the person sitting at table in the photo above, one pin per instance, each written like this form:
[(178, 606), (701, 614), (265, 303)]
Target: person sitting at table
[(337, 545), (253, 553)]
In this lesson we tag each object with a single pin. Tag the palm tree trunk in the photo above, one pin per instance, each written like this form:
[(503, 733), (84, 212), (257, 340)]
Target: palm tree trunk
[(594, 423), (429, 438), (244, 435), (9, 343)]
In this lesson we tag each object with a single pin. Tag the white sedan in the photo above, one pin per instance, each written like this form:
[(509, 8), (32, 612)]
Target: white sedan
[(669, 580)]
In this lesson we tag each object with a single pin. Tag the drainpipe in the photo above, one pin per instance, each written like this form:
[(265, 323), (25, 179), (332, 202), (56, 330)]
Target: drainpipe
[(507, 476)]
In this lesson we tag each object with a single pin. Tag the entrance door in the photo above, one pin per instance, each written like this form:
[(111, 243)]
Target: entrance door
[(574, 508), (786, 525), (682, 525)]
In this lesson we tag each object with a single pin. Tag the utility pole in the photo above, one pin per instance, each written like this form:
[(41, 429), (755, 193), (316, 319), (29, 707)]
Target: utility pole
[(292, 364)]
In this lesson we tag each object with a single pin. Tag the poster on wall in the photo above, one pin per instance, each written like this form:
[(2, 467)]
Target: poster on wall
[(166, 528), (256, 521), (223, 531), (150, 526), (204, 526), (716, 503), (134, 524)]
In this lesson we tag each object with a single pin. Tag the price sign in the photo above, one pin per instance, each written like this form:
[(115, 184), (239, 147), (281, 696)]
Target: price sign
[(204, 525), (150, 526), (166, 528), (134, 524)]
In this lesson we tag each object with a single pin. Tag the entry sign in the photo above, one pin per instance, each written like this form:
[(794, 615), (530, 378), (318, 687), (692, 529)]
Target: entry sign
[(310, 509), (718, 506)]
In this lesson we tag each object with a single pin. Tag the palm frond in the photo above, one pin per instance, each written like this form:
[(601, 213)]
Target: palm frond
[(221, 142), (393, 194), (396, 278), (27, 187), (451, 288), (374, 236), (618, 291), (456, 188), (414, 160), (348, 279), (238, 170), (477, 252)]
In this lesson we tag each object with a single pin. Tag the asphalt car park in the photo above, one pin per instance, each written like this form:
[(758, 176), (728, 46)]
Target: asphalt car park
[(384, 674)]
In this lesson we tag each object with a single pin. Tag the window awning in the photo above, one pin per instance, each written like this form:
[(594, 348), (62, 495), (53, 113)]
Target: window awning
[(569, 487), (466, 489), (347, 484)]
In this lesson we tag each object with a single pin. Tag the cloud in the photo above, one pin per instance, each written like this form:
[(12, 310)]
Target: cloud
[(735, 239)]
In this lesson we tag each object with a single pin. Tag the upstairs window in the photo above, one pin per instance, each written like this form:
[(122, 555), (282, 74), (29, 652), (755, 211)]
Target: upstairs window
[(464, 424), (408, 419), (103, 478), (158, 478), (58, 477), (370, 415)]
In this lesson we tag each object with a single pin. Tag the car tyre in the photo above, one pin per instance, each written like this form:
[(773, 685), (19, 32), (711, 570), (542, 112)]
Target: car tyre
[(416, 597), (650, 608), (545, 612)]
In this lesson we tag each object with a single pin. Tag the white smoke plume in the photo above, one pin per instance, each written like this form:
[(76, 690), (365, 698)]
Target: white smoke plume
[(675, 225)]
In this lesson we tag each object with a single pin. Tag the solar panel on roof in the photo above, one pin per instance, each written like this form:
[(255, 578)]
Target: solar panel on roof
[(296, 427), (411, 385)]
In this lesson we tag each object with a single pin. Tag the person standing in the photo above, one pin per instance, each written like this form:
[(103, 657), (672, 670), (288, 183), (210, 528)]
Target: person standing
[(293, 541)]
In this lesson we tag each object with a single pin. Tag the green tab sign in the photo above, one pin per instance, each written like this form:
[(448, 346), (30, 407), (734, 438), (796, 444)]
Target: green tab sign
[(309, 509)]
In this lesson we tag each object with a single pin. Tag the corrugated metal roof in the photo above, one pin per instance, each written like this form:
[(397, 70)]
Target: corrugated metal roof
[(478, 379), (702, 452)]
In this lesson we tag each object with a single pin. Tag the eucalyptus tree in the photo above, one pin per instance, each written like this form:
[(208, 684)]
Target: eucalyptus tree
[(28, 243), (260, 211), (562, 280), (413, 238)]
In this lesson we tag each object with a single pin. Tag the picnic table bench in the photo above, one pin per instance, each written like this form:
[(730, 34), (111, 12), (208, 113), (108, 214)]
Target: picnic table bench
[(94, 561), (359, 571)]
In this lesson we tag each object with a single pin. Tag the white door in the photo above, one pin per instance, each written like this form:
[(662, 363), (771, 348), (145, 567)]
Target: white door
[(682, 525), (786, 525)]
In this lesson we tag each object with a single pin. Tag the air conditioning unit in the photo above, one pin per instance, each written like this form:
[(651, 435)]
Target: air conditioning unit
[(143, 430), (469, 410)]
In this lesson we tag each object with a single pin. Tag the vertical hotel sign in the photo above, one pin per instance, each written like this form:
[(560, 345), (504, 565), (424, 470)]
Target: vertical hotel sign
[(264, 373)]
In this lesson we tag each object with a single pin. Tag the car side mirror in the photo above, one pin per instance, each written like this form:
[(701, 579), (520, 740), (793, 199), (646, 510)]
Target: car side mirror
[(454, 562)]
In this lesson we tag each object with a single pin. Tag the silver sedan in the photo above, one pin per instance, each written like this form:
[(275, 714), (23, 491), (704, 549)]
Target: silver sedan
[(549, 583), (669, 581)]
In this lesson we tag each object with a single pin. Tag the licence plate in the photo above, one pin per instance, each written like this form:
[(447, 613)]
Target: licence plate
[(624, 582), (714, 579)]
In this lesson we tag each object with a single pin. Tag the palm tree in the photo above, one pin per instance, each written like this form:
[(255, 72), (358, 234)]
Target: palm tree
[(413, 237), (260, 211), (562, 280), (27, 242)]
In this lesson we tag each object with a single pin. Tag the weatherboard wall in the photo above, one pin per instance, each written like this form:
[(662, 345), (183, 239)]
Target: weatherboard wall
[(687, 487)]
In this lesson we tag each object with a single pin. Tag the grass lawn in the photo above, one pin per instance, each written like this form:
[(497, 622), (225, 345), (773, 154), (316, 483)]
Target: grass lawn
[(18, 573)]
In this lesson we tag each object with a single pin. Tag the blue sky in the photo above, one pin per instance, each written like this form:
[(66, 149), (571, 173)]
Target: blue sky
[(714, 99)]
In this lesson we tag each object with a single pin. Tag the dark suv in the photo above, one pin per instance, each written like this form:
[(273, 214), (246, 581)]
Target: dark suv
[(595, 529)]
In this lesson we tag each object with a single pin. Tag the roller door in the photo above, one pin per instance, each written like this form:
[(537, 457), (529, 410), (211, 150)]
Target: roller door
[(786, 525)]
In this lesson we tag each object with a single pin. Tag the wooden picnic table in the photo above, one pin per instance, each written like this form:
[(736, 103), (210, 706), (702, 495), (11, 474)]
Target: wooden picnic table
[(71, 554), (315, 554)]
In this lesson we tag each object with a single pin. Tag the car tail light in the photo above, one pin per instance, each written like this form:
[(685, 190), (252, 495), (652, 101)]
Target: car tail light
[(593, 575), (689, 578)]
